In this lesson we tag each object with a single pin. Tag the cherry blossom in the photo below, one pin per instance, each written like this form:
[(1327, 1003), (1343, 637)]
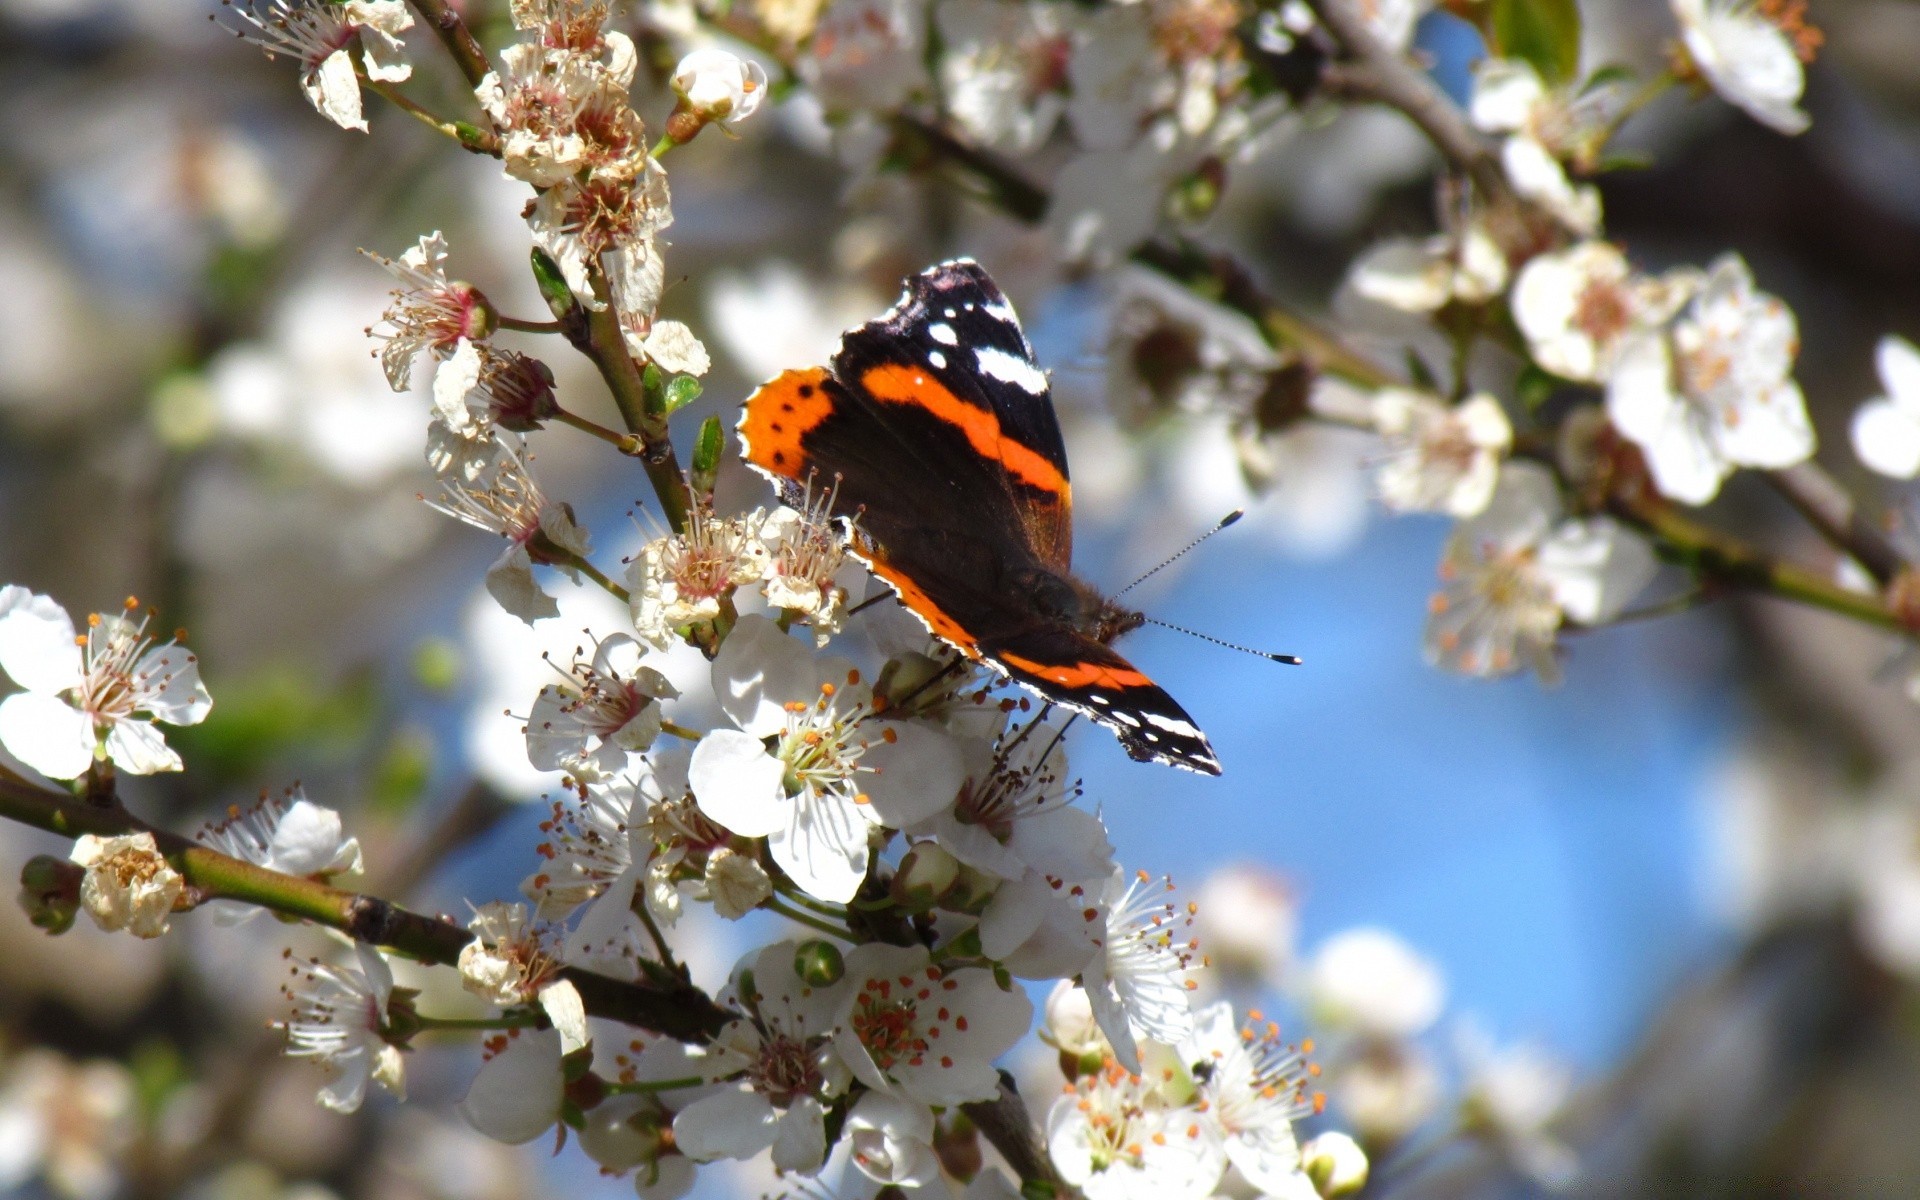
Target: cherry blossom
[(1751, 53), (916, 1030), (95, 698), (1137, 982), (320, 37), (605, 709), (1423, 275), (718, 85), (1713, 391), (290, 834), (1512, 575), (507, 501), (516, 1095), (1578, 306), (128, 885), (428, 312), (512, 961), (1439, 458), (1116, 1136), (1252, 1088), (340, 1021), (1886, 429), (680, 579), (834, 773), (892, 1140), (1371, 982)]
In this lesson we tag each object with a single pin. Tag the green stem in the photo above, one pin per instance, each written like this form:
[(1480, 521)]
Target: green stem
[(559, 556), (625, 443), (660, 946), (521, 325), (773, 904), (685, 1013), (830, 911), (470, 137), (503, 1021), (657, 1085), (607, 347), (680, 731)]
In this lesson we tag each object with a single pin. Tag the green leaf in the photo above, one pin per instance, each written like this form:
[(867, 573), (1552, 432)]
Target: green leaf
[(1608, 75), (553, 284), (682, 390), (1545, 33), (708, 447)]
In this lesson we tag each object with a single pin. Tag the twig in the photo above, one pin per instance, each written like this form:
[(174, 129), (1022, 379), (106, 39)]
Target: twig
[(1006, 1124), (686, 1013), (1829, 508), (458, 39)]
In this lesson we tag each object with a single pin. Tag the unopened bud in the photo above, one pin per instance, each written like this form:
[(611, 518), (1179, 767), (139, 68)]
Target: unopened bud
[(906, 679), (970, 892), (714, 85), (1199, 193), (926, 874), (818, 963), (521, 389), (1336, 1164), (50, 892), (625, 1131)]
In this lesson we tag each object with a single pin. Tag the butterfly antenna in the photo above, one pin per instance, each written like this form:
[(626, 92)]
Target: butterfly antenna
[(1225, 521), (1291, 659)]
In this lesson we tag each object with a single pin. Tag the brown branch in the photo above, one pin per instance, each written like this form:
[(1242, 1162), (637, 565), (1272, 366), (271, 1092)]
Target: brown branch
[(458, 39), (685, 1012), (1829, 508), (1005, 1123)]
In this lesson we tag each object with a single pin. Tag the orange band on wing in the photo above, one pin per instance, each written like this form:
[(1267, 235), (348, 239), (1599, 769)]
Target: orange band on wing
[(779, 415), (900, 384), (923, 607), (1078, 675)]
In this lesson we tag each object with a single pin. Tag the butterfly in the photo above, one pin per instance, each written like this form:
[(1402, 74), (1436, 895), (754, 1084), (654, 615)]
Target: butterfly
[(933, 430)]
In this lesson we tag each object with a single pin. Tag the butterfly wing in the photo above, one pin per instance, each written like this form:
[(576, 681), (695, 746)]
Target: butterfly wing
[(953, 347), (1077, 672)]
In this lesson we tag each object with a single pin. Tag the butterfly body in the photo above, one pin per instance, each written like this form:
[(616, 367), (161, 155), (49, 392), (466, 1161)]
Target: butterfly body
[(935, 435)]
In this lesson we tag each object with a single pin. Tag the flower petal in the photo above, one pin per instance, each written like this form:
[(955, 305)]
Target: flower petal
[(49, 735), (737, 783), (1886, 436), (516, 1096), (139, 748), (37, 646)]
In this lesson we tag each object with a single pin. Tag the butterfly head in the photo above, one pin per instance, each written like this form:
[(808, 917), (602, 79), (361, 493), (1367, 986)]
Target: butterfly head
[(1069, 601)]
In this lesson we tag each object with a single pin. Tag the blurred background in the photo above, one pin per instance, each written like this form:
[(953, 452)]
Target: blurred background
[(1685, 879)]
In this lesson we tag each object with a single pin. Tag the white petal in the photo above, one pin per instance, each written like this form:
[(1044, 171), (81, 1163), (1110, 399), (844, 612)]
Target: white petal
[(453, 381), (917, 774), (672, 345), (510, 581), (1505, 94), (737, 783), (824, 846), (334, 91), (168, 681), (1410, 274), (49, 735), (731, 1124), (1769, 430), (307, 841), (758, 670), (1899, 363), (37, 642), (139, 748), (1886, 436), (802, 1144), (516, 1096), (1595, 568), (562, 1003)]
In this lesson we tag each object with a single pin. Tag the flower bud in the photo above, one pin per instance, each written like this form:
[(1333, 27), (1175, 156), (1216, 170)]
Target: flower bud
[(1336, 1164), (1071, 1029), (970, 892), (623, 1132), (926, 874), (521, 390), (715, 85), (818, 963), (50, 892), (478, 317)]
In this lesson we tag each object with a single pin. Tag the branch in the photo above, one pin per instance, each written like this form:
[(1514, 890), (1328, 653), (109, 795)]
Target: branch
[(1005, 1123), (1375, 73), (458, 39), (1829, 508), (685, 1013)]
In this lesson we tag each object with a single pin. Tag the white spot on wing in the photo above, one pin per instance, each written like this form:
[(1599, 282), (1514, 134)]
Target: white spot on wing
[(944, 334), (1173, 725), (951, 314), (938, 359), (1003, 312), (1011, 368)]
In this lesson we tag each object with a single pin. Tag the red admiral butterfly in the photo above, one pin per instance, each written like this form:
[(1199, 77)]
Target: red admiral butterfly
[(939, 430)]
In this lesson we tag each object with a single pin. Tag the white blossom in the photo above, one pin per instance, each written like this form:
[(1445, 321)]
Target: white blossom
[(70, 1123), (512, 961), (718, 85), (320, 36), (1422, 275), (128, 885), (1252, 1088), (1514, 574), (835, 771), (1577, 307), (1886, 429), (1248, 920), (1541, 127), (1751, 54), (735, 884), (289, 834), (1713, 391), (428, 312), (1138, 980), (92, 698), (680, 579), (786, 1048), (1513, 1094), (805, 550), (1336, 1163), (1002, 68), (1371, 982), (1115, 1136), (605, 709), (931, 1035), (339, 1021), (509, 503), (1439, 458), (892, 1140)]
